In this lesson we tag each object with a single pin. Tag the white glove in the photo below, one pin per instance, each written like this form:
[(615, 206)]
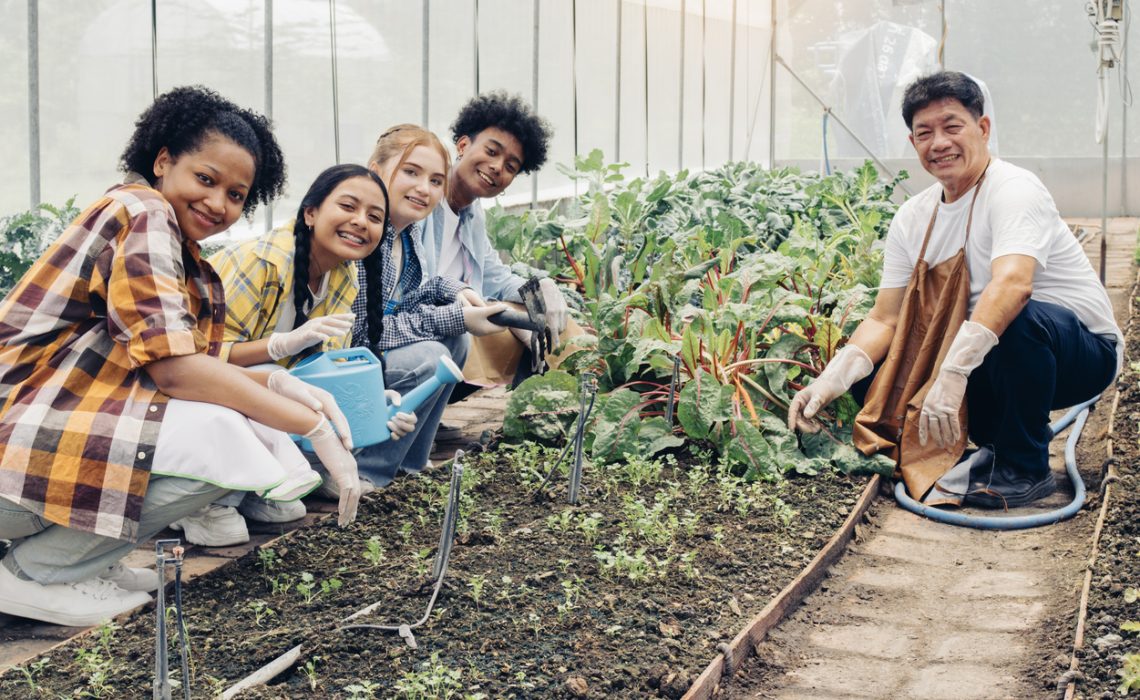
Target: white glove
[(469, 297), (848, 366), (939, 417), (557, 313), (282, 383), (475, 319), (401, 423), (312, 332), (341, 466)]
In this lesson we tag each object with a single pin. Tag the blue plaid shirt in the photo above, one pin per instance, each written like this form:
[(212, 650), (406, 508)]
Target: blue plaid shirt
[(416, 309)]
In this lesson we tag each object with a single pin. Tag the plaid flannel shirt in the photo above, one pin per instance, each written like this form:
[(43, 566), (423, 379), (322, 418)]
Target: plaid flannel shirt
[(120, 288), (418, 309), (258, 278)]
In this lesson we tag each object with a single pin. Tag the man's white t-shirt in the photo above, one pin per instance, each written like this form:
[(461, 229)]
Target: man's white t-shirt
[(1014, 214), (451, 249)]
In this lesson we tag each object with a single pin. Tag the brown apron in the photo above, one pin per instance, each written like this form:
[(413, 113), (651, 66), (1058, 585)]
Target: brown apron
[(934, 307)]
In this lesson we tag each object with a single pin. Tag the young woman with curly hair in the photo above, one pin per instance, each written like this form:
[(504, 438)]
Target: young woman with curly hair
[(108, 350)]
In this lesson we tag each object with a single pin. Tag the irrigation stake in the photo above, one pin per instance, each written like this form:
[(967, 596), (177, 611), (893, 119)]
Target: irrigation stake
[(673, 391), (446, 539), (587, 388), (162, 690)]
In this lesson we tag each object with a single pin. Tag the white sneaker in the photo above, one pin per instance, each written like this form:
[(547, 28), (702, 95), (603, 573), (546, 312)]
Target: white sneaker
[(131, 579), (328, 489), (82, 604), (264, 511), (214, 526)]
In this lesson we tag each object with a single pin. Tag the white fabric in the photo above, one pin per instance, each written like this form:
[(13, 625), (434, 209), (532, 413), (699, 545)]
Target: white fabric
[(450, 257), (288, 315), (215, 444), (1014, 214)]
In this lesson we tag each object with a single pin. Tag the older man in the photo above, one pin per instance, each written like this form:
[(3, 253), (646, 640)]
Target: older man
[(986, 303)]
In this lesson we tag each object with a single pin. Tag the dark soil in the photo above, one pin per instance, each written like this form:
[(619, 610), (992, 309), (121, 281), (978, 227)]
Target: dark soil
[(624, 596), (1116, 572)]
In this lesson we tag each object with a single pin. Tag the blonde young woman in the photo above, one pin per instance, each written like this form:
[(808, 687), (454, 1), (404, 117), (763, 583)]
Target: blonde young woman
[(423, 318)]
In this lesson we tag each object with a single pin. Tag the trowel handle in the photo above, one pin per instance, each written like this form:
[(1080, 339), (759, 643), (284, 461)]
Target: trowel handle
[(514, 319)]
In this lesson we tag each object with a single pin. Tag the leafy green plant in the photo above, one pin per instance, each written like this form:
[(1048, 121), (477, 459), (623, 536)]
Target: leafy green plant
[(310, 671), (373, 551), (435, 681), (31, 672), (475, 583), (25, 236), (362, 690)]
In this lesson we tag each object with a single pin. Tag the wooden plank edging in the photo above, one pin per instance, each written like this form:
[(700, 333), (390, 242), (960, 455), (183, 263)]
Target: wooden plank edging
[(785, 601)]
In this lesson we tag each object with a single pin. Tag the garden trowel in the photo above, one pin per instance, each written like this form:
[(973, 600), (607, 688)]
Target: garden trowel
[(534, 320)]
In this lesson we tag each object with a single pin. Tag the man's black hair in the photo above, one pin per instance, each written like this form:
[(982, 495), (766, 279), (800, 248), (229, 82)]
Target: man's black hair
[(511, 114), (182, 119), (942, 85)]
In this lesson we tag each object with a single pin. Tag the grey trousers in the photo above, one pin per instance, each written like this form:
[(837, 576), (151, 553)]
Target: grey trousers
[(49, 553)]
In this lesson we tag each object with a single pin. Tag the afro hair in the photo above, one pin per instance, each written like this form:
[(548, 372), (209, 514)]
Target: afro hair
[(182, 119), (511, 114)]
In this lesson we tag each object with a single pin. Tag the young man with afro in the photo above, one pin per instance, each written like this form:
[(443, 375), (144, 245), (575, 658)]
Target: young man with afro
[(497, 137)]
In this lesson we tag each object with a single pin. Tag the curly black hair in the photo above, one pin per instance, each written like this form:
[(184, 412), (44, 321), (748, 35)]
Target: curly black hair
[(180, 120), (511, 114)]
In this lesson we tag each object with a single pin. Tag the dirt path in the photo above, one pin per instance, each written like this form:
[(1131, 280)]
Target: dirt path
[(917, 609)]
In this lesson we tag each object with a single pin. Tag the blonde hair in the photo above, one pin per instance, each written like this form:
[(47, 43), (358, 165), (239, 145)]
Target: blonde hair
[(401, 140)]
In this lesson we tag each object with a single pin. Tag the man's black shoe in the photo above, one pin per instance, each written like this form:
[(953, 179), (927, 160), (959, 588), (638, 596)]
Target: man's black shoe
[(1008, 488)]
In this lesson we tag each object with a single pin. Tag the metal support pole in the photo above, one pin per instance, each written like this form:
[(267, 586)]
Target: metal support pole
[(475, 63), (840, 122), (617, 87), (154, 49), (34, 101), (534, 98), (732, 84), (704, 76), (335, 96), (425, 59), (268, 49), (645, 72), (772, 90), (1104, 204), (574, 76), (681, 97)]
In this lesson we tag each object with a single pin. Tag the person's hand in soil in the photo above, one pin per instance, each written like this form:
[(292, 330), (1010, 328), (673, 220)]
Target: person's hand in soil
[(848, 366), (341, 466), (316, 398)]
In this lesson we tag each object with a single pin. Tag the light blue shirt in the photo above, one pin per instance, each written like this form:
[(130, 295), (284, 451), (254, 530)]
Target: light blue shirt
[(488, 274)]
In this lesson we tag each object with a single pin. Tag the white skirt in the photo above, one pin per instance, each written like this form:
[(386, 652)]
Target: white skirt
[(218, 445)]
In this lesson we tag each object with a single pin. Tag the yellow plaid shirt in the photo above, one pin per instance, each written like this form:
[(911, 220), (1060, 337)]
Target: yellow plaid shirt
[(258, 278), (120, 288)]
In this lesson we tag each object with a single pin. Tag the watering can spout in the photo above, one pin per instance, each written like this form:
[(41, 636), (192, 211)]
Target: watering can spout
[(355, 378)]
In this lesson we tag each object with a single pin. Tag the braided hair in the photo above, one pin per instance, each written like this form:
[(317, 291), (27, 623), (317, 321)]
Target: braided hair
[(182, 119), (321, 188)]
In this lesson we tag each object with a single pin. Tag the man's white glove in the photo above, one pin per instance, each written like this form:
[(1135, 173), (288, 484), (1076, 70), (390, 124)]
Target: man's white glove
[(557, 313), (312, 332), (475, 319), (316, 398), (401, 423), (848, 366), (341, 466), (939, 417)]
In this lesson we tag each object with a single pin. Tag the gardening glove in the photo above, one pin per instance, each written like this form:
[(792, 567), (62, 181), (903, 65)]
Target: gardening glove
[(312, 332), (475, 319), (341, 466), (939, 417), (847, 367), (469, 297), (401, 423), (557, 313), (316, 398)]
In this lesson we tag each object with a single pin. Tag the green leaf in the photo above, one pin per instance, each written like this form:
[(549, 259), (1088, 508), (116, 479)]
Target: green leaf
[(1131, 626), (702, 404), (616, 426), (542, 408)]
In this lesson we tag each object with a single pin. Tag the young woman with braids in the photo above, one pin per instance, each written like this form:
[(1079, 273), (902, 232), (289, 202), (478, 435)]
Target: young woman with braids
[(117, 415), (423, 318), (289, 294)]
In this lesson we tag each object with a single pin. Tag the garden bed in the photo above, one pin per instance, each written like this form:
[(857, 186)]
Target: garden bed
[(627, 594), (1110, 655)]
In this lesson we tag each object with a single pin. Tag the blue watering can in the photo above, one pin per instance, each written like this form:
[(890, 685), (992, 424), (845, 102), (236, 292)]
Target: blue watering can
[(355, 378)]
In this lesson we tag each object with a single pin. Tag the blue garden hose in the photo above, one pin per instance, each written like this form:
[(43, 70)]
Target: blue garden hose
[(1077, 414)]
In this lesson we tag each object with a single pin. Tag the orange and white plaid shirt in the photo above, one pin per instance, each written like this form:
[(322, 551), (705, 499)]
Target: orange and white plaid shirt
[(80, 417)]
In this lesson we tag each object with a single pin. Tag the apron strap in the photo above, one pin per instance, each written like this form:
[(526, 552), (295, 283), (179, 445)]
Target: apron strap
[(969, 217)]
